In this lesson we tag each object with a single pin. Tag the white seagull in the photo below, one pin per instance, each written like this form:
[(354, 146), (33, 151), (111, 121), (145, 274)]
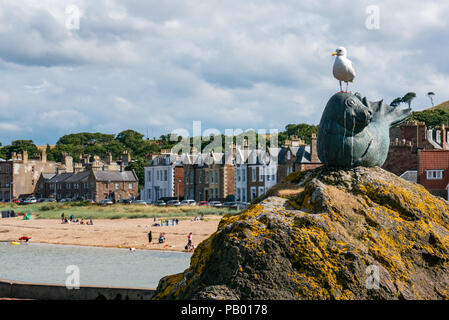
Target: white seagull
[(343, 68)]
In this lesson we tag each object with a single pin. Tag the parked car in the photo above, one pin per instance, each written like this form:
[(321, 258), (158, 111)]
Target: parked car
[(173, 203), (65, 200), (15, 200), (188, 202), (29, 200), (90, 201), (127, 201), (105, 202), (49, 200), (215, 204), (139, 202), (230, 204), (160, 203), (243, 205), (204, 203)]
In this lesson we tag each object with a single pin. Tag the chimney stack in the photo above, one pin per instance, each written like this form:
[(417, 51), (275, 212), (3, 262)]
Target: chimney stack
[(313, 150), (25, 156), (44, 156)]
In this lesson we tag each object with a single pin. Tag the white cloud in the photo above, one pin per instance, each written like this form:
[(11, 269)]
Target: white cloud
[(161, 65)]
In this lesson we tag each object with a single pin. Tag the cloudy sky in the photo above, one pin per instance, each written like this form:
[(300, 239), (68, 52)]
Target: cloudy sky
[(159, 65)]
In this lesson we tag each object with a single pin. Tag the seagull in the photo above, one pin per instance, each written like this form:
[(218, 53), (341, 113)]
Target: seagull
[(343, 68)]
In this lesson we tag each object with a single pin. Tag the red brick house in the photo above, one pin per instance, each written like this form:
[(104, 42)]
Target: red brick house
[(407, 139), (433, 171)]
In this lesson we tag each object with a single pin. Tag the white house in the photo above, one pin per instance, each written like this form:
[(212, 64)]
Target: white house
[(161, 180)]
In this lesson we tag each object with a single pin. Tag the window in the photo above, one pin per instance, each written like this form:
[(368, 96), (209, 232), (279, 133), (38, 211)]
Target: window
[(149, 176), (253, 174), (211, 177), (434, 174), (149, 193), (261, 169), (253, 193), (216, 193), (216, 177), (199, 176), (289, 170), (165, 175), (261, 191), (117, 186), (238, 175), (191, 178), (130, 186), (157, 175), (75, 185), (268, 174), (244, 174)]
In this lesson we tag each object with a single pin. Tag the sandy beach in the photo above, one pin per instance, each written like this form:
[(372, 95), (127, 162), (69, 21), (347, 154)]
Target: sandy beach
[(124, 233)]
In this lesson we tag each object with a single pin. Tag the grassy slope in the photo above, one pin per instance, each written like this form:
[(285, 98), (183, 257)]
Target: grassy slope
[(443, 105), (117, 211)]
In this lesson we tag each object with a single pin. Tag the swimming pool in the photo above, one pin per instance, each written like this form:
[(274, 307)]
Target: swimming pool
[(47, 263)]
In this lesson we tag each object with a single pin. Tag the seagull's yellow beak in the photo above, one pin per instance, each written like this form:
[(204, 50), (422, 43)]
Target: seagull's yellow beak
[(334, 53)]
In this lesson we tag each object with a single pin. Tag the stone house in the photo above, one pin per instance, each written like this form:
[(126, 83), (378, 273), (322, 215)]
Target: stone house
[(209, 177), (297, 158), (90, 184), (19, 175)]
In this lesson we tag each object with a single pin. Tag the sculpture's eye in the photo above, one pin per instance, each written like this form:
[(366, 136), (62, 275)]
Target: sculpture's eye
[(350, 102)]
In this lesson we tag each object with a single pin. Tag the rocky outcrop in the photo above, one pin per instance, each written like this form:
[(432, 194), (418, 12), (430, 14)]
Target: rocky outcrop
[(361, 233)]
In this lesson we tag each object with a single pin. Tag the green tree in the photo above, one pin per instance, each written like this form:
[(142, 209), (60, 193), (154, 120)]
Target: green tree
[(18, 146), (139, 168), (303, 131)]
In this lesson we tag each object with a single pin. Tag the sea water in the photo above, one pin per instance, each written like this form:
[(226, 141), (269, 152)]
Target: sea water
[(47, 263)]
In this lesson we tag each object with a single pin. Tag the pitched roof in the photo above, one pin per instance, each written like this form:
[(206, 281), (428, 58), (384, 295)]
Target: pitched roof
[(78, 177), (60, 177), (115, 176)]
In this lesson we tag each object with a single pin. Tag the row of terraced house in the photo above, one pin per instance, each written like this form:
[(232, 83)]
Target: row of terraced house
[(89, 178), (241, 175)]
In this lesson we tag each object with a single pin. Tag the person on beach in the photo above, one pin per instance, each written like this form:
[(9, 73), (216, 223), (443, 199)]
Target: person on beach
[(63, 218), (150, 237), (25, 238), (189, 242), (202, 216)]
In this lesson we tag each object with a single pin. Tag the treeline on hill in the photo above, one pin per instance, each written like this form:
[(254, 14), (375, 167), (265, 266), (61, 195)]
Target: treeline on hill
[(78, 144), (432, 117)]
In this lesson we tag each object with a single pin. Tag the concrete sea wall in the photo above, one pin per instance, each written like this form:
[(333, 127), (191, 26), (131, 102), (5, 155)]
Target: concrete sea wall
[(26, 290)]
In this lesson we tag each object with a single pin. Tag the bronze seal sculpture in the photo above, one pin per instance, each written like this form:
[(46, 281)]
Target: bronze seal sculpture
[(355, 132)]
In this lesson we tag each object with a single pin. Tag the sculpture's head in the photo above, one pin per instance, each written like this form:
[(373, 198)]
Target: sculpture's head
[(349, 112), (386, 114)]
